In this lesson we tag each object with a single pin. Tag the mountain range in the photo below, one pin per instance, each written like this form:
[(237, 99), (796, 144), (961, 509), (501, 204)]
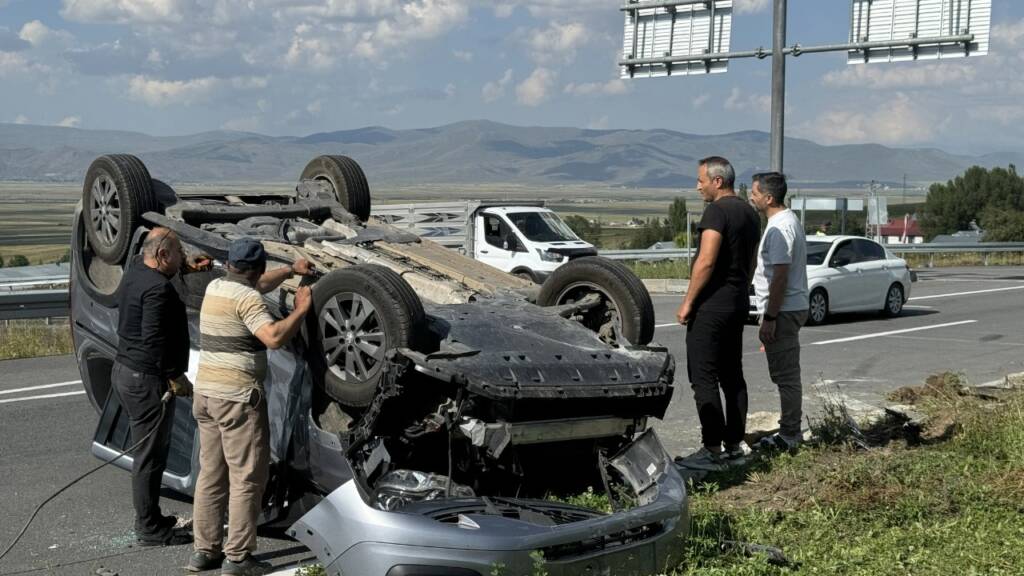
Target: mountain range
[(470, 152)]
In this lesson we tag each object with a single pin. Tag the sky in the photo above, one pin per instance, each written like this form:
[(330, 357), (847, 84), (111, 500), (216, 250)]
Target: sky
[(295, 67)]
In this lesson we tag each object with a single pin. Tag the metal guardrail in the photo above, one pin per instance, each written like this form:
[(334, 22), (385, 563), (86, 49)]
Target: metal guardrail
[(26, 304), (898, 249), (666, 254)]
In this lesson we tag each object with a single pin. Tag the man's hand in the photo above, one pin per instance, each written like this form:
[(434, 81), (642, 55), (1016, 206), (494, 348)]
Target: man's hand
[(303, 299), (302, 267), (767, 331), (199, 262), (684, 312), (181, 386)]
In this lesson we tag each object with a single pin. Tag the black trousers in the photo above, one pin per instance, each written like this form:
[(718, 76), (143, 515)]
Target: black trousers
[(140, 396), (714, 365)]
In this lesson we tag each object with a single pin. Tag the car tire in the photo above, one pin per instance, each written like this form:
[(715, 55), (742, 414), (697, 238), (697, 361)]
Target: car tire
[(893, 301), (623, 295), (353, 350), (116, 193), (817, 309), (347, 181)]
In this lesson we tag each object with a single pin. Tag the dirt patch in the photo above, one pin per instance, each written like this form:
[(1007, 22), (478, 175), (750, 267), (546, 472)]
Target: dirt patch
[(945, 386)]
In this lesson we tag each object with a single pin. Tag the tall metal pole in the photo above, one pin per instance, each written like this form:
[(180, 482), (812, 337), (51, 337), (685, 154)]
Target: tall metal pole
[(778, 84)]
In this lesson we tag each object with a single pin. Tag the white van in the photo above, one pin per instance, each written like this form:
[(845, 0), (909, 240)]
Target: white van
[(521, 238)]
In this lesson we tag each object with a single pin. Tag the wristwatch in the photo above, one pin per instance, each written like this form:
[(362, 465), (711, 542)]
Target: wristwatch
[(769, 317)]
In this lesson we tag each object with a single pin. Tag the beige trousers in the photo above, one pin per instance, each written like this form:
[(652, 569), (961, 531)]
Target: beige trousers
[(234, 459)]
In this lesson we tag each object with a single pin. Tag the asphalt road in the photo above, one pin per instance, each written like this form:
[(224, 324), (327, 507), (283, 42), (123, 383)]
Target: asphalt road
[(968, 320)]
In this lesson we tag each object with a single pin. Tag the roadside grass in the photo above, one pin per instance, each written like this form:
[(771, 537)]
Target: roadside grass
[(32, 338), (952, 259), (947, 508), (662, 269)]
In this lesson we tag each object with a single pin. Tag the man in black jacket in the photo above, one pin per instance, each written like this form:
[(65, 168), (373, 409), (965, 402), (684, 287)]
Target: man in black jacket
[(152, 356)]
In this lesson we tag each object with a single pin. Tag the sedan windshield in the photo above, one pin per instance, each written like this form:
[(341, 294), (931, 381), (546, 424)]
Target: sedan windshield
[(816, 252), (542, 226)]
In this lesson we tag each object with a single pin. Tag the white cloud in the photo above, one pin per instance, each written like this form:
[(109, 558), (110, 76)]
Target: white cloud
[(901, 75), (462, 55), (609, 88), (244, 124), (739, 101), (449, 90), (36, 33), (21, 119), (123, 11), (535, 89), (750, 6), (158, 93), (897, 121), (504, 10), (70, 122), (495, 90), (557, 41), (557, 8), (701, 100), (598, 124), (12, 63)]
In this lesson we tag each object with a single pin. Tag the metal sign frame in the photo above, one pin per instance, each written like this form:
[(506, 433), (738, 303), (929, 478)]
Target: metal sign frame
[(676, 30), (923, 22)]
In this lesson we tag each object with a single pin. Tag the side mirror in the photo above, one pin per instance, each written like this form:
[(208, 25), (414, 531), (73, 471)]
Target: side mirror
[(504, 244)]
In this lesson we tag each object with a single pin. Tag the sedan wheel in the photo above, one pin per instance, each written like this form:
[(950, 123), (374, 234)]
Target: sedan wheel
[(353, 338), (818, 309), (893, 300)]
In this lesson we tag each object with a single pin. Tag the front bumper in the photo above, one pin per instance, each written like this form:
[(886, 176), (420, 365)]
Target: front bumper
[(350, 537)]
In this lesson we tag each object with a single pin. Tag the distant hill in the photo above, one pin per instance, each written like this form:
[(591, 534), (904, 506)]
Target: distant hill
[(470, 152)]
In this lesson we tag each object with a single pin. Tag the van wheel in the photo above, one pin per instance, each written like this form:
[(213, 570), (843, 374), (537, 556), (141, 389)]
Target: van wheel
[(362, 312), (117, 192), (625, 314), (347, 180)]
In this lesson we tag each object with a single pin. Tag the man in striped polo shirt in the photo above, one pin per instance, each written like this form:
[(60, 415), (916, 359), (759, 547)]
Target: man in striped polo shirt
[(230, 407)]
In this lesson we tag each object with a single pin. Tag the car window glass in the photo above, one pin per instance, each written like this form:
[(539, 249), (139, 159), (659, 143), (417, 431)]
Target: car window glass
[(845, 254), (816, 252), (868, 251), (494, 231)]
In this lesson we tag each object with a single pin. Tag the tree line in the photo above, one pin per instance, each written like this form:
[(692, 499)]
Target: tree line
[(992, 198)]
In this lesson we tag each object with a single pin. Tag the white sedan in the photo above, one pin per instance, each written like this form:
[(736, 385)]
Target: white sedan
[(852, 274)]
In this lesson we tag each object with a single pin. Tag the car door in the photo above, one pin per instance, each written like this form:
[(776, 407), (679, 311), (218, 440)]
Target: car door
[(844, 278), (874, 271), (496, 243)]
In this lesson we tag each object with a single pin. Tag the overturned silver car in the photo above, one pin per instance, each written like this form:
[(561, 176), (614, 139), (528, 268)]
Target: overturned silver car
[(434, 409)]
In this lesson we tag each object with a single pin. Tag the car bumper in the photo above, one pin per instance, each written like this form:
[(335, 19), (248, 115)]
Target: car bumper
[(350, 537)]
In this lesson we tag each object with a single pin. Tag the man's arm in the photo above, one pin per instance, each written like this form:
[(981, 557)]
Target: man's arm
[(277, 334), (154, 302), (710, 244), (271, 279), (777, 289)]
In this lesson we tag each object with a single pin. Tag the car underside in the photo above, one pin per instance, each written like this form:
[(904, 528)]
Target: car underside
[(435, 410)]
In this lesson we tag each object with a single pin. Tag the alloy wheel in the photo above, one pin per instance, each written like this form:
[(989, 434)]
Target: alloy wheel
[(353, 337)]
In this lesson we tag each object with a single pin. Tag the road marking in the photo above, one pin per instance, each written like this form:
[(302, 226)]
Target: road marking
[(30, 388), (892, 332), (967, 293), (667, 325), (42, 396), (919, 307)]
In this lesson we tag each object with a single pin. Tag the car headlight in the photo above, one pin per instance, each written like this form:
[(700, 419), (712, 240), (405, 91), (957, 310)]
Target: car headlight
[(548, 256)]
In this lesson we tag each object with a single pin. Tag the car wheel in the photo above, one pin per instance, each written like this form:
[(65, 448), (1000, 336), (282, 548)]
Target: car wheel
[(817, 310), (893, 301), (117, 192), (361, 312), (625, 314), (347, 181)]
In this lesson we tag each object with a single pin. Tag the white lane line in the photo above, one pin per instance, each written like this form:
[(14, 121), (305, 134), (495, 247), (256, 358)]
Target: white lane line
[(667, 325), (42, 396), (931, 296), (918, 307), (892, 332), (44, 386)]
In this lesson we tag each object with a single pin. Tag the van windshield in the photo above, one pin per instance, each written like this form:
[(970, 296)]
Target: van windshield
[(542, 226)]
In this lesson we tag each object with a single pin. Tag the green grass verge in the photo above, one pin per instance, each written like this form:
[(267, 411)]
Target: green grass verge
[(659, 270), (951, 508), (31, 338)]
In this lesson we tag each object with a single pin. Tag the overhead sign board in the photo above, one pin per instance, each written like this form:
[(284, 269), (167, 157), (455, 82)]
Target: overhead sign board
[(679, 29), (825, 204), (923, 24)]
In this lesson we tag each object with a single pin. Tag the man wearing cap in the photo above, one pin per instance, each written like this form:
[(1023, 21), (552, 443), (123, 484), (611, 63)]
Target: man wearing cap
[(230, 407)]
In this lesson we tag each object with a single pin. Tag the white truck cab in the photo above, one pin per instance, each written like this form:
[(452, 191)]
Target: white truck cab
[(520, 238)]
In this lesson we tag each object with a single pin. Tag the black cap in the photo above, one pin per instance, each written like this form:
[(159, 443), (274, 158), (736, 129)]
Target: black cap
[(247, 254)]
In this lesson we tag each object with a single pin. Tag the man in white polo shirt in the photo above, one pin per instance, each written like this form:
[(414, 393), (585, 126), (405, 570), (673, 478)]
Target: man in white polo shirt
[(780, 287)]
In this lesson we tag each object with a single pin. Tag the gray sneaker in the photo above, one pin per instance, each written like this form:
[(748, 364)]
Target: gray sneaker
[(778, 443), (702, 459), (247, 567), (736, 451)]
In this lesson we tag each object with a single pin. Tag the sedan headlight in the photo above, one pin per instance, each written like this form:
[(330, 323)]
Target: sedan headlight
[(548, 256)]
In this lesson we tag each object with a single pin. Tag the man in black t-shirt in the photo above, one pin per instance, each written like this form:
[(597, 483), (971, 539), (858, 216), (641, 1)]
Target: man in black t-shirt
[(715, 309)]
